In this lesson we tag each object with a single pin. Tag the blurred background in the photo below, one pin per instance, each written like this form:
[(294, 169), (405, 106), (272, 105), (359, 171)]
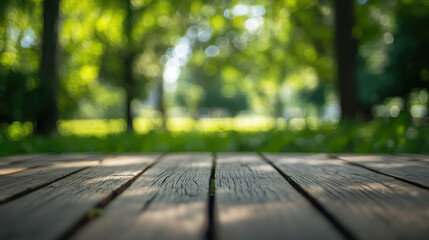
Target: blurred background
[(219, 75)]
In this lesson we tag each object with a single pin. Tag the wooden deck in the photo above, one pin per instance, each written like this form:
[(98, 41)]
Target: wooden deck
[(214, 196)]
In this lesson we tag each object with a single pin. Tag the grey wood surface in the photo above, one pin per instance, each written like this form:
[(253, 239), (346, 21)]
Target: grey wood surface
[(18, 158), (169, 201), (253, 201), (52, 210), (370, 205), (16, 184), (41, 161), (414, 157), (413, 171), (139, 196)]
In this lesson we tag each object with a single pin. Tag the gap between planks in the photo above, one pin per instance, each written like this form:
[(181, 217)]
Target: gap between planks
[(253, 201), (211, 230), (316, 204), (94, 212), (167, 201), (370, 204), (49, 212), (211, 197), (210, 217), (19, 184), (410, 172)]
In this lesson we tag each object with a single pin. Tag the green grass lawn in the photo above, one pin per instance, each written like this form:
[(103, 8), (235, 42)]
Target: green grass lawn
[(387, 135)]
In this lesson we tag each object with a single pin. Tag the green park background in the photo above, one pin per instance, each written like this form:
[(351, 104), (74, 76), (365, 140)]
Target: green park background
[(217, 75)]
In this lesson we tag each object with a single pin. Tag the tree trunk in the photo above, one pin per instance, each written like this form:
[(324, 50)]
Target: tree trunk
[(129, 90), (277, 109), (161, 105), (345, 50), (47, 116), (128, 59)]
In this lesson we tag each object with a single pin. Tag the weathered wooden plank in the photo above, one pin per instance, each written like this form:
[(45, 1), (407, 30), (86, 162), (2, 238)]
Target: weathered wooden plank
[(20, 183), (370, 205), (253, 201), (42, 160), (18, 158), (52, 210), (414, 157), (413, 171), (169, 201)]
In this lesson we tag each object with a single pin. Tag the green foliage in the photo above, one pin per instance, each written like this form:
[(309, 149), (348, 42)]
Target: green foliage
[(20, 22), (392, 53), (271, 56)]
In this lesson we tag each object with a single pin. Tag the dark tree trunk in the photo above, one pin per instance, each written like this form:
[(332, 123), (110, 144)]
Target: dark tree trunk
[(160, 103), (277, 109), (47, 117), (345, 47), (129, 90), (128, 59)]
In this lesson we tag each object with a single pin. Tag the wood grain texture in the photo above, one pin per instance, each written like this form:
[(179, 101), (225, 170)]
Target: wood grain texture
[(253, 201), (169, 201), (414, 157), (413, 171), (19, 183), (18, 158), (370, 205), (52, 210), (42, 160)]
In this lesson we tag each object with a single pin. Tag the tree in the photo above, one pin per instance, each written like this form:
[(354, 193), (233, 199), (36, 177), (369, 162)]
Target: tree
[(128, 61), (145, 41), (47, 117), (345, 52), (20, 23), (408, 67)]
